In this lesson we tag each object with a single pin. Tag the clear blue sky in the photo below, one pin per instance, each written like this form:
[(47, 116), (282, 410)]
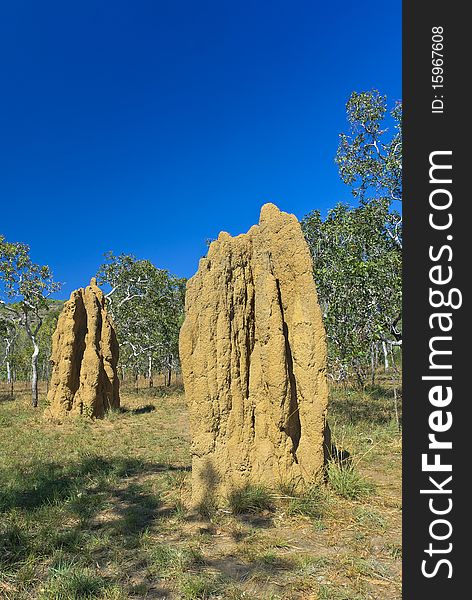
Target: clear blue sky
[(148, 126)]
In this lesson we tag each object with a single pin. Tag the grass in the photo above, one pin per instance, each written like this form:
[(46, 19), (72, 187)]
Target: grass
[(99, 510), (312, 504), (370, 518), (198, 587), (250, 499), (68, 580), (347, 482), (165, 560)]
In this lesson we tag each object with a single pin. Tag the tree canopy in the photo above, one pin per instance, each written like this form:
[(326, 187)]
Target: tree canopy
[(357, 250), (369, 159), (146, 304), (24, 289)]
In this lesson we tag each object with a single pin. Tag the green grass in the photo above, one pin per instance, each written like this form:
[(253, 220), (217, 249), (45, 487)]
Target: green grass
[(330, 592), (166, 560), (100, 510), (370, 518), (312, 503), (68, 580), (347, 482), (250, 499), (198, 587)]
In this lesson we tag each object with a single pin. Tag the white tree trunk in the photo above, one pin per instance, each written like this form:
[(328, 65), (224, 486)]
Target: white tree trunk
[(8, 372), (372, 363), (8, 348), (34, 372), (151, 383), (385, 351)]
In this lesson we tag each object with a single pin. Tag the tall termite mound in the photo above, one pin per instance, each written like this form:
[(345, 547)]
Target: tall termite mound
[(253, 354), (84, 357)]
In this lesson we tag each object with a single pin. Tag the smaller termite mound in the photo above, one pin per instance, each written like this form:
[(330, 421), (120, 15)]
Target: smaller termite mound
[(253, 354), (84, 358)]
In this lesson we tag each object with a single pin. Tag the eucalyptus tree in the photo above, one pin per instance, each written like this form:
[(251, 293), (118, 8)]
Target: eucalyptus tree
[(8, 336), (357, 268), (24, 289), (357, 250), (146, 304), (45, 338), (369, 156)]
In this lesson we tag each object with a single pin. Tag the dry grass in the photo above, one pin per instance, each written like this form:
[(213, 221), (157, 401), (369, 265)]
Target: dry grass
[(98, 510)]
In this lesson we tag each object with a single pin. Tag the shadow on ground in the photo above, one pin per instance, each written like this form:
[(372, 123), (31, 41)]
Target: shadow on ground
[(141, 410), (51, 507), (36, 484), (76, 515), (6, 397)]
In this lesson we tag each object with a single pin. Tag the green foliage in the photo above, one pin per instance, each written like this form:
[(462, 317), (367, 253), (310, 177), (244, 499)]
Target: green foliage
[(369, 160), (147, 305), (357, 251), (24, 291), (23, 280), (357, 269), (16, 346)]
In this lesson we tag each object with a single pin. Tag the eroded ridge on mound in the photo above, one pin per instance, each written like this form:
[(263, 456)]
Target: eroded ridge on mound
[(84, 357), (253, 354)]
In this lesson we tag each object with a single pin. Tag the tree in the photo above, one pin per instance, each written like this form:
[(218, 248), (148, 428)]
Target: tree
[(369, 160), (45, 338), (8, 334), (146, 304), (357, 250), (27, 286), (357, 269)]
